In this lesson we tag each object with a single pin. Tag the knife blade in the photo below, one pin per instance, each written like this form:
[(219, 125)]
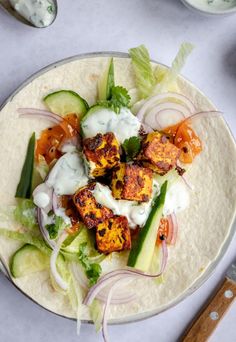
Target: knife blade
[(211, 314)]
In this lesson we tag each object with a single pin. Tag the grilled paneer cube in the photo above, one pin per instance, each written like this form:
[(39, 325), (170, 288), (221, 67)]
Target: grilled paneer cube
[(158, 153), (113, 235), (102, 153), (132, 182), (91, 212)]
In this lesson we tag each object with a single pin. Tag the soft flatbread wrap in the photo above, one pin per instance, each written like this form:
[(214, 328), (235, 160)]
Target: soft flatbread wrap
[(205, 227)]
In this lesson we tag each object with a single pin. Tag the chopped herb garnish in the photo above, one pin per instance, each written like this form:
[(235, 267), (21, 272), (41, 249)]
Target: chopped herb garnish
[(119, 98), (50, 9), (92, 270), (54, 228), (131, 147)]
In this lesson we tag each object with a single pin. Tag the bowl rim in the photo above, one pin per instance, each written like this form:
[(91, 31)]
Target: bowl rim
[(209, 270), (210, 12)]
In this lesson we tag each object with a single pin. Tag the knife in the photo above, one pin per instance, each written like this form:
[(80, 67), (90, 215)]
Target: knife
[(209, 317)]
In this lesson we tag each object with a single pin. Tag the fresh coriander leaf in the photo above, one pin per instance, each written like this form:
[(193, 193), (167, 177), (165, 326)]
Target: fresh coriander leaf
[(119, 98), (92, 270), (131, 147), (54, 228)]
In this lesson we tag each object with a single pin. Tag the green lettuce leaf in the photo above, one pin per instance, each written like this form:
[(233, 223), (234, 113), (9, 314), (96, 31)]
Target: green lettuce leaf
[(24, 213), (42, 168), (26, 238), (171, 75), (95, 310), (145, 80)]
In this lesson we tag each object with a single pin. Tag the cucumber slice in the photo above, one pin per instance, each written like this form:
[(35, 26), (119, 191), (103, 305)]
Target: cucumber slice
[(64, 102), (106, 82), (83, 123), (28, 259), (142, 252)]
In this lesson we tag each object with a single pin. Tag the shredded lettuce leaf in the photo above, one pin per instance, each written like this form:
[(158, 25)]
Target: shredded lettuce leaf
[(171, 75), (26, 238), (95, 310), (150, 82), (42, 167), (143, 70), (76, 295), (62, 267), (24, 213)]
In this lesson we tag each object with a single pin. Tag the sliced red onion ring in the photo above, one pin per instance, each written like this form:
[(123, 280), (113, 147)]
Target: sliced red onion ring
[(120, 298), (170, 229), (175, 228), (116, 275), (53, 266), (32, 112), (160, 119), (117, 284), (154, 100), (55, 201), (105, 311), (203, 114)]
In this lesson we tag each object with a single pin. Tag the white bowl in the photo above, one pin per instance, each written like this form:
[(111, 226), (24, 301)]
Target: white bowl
[(217, 7)]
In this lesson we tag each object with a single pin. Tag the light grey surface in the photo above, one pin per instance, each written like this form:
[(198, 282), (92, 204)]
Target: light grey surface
[(91, 25)]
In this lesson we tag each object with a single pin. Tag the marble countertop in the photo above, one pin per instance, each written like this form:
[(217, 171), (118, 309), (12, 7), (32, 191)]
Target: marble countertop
[(92, 25)]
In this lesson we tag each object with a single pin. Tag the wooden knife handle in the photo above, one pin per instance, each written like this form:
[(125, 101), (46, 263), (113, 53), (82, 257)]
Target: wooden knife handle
[(202, 328)]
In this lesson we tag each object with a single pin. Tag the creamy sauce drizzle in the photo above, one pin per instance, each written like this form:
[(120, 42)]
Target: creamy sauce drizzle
[(124, 125), (177, 199), (136, 213), (213, 4), (68, 174), (40, 13)]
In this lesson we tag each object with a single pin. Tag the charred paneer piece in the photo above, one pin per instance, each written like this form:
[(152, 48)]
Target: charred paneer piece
[(158, 153), (92, 213), (113, 235), (101, 153), (132, 182)]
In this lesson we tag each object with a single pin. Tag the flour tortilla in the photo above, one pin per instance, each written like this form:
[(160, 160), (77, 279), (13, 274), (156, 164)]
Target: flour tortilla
[(205, 228)]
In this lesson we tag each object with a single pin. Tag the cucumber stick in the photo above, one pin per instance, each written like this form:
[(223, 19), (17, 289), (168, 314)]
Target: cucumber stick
[(24, 187), (65, 102), (106, 82), (28, 259), (141, 253)]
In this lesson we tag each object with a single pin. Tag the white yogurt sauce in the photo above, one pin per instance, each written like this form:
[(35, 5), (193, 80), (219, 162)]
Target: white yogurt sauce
[(136, 213), (124, 125), (40, 13), (42, 195), (213, 4), (177, 199), (68, 174)]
